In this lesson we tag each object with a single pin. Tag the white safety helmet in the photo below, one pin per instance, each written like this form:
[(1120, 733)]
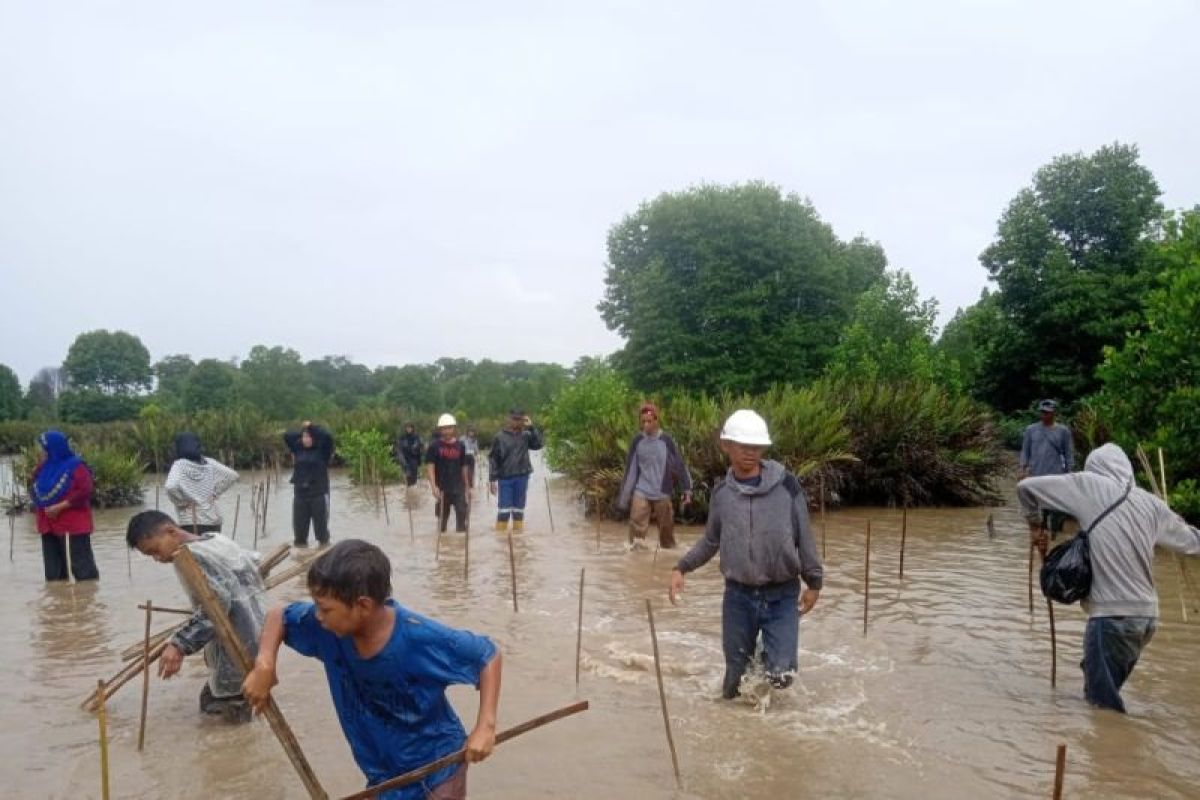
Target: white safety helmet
[(746, 427), (446, 421)]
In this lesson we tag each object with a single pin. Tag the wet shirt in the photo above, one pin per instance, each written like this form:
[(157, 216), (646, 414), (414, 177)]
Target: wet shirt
[(1047, 450), (651, 459), (448, 459), (392, 706)]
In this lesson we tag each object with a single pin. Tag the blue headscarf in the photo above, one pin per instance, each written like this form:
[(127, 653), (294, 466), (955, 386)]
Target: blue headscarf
[(54, 477)]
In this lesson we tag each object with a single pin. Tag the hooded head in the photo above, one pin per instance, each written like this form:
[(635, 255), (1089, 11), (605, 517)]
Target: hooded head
[(1110, 461), (187, 445)]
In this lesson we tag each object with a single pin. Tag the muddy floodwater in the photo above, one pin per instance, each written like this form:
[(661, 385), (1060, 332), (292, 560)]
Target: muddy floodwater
[(946, 696)]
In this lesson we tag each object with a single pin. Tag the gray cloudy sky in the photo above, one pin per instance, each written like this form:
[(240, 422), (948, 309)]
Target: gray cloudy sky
[(401, 181)]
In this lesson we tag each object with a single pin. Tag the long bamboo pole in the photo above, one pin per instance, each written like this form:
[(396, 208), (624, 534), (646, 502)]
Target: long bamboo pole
[(193, 575), (662, 696), (145, 677), (579, 628), (1053, 629), (824, 525), (903, 537), (512, 568), (867, 579), (991, 527), (549, 508), (102, 719), (237, 508), (164, 610), (1031, 547), (459, 756)]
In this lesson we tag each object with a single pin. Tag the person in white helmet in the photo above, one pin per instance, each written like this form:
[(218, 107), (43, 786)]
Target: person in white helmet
[(758, 521), (448, 465)]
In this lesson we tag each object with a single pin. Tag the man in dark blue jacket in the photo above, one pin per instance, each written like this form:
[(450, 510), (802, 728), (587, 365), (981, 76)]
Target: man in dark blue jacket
[(653, 470)]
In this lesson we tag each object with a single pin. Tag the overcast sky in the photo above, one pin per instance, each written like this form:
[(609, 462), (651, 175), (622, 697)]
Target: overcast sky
[(400, 181)]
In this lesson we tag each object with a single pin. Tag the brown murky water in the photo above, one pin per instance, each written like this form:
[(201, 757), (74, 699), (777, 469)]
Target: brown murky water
[(947, 696)]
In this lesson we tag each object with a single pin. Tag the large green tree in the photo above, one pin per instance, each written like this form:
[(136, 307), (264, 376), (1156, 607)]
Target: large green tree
[(110, 362), (276, 381), (1070, 262), (171, 374), (12, 405), (730, 287), (342, 381), (212, 384), (1152, 382)]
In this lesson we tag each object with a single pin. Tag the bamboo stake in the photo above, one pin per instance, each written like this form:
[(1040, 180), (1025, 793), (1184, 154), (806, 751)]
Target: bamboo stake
[(145, 677), (387, 515), (903, 537), (867, 579), (549, 510), (192, 574), (579, 628), (163, 610), (102, 718), (459, 756), (662, 696), (991, 527), (12, 530), (274, 558), (67, 548), (467, 553), (412, 536), (1053, 631), (237, 508), (824, 526), (512, 566), (1060, 769), (265, 505), (1031, 545), (1161, 491)]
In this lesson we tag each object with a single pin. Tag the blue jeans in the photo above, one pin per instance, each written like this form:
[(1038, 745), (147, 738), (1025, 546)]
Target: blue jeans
[(747, 611), (1111, 646), (511, 500)]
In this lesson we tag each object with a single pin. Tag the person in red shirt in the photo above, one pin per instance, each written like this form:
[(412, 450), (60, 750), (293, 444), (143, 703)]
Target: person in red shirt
[(61, 488)]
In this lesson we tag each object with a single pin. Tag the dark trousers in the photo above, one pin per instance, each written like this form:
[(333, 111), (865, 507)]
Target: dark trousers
[(747, 611), (513, 492), (1111, 646), (457, 500), (313, 509), (190, 528), (54, 557), (410, 471)]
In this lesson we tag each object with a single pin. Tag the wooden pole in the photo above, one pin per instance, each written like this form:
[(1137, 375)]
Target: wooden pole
[(265, 504), (145, 677), (512, 568), (1053, 631), (274, 559), (412, 536), (903, 537), (549, 509), (867, 579), (67, 548), (459, 756), (194, 577), (466, 553), (387, 515), (1060, 769), (579, 628), (163, 610), (662, 696), (1031, 546), (237, 508), (824, 526), (991, 527), (102, 718), (12, 528)]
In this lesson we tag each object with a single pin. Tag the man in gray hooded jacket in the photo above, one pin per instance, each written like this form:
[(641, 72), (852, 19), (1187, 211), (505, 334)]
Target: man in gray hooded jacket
[(758, 521), (1122, 607)]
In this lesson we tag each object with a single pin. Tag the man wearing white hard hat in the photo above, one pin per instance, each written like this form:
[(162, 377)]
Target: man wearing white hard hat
[(448, 465), (758, 522)]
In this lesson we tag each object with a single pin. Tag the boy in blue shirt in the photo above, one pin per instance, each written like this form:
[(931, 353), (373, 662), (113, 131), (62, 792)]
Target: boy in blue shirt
[(388, 670)]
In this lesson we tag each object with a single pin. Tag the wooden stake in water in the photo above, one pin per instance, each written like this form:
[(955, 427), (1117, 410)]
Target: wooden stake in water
[(1050, 614), (102, 718), (145, 677), (1060, 771), (903, 537), (265, 503), (387, 515), (237, 508), (512, 568), (867, 579), (467, 553), (67, 548), (459, 756), (1031, 546), (662, 696), (412, 536), (991, 527), (194, 577), (579, 628), (824, 526), (549, 509)]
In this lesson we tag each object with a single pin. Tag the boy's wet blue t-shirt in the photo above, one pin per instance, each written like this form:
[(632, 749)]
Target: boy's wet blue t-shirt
[(393, 706)]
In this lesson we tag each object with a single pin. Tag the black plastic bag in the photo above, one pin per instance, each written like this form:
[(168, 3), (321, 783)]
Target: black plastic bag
[(1066, 575)]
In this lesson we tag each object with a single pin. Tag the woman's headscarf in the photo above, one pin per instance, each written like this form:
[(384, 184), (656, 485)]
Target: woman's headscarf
[(187, 445), (54, 476)]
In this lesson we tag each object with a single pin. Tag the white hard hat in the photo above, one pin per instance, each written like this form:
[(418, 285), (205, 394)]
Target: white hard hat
[(746, 427), (446, 421)]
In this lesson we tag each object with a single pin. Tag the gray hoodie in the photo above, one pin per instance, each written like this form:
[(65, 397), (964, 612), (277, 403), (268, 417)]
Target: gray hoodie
[(762, 532), (1123, 543)]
